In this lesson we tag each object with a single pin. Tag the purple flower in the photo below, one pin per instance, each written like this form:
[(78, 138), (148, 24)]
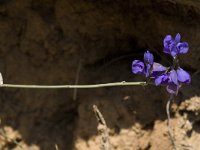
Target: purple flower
[(148, 68), (174, 46), (173, 80), (172, 77), (138, 67)]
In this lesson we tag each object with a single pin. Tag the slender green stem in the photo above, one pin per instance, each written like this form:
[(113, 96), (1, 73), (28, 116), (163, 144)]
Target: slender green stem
[(123, 83)]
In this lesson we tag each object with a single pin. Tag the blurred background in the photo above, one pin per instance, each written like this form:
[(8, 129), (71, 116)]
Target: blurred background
[(90, 42)]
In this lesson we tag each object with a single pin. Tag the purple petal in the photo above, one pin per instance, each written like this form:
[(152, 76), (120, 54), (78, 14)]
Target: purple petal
[(173, 77), (167, 42), (178, 38), (183, 47), (172, 88), (158, 69), (158, 80), (137, 67), (148, 57), (183, 76), (163, 79), (173, 49)]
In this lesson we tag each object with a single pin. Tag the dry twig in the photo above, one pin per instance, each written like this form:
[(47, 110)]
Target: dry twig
[(56, 147), (102, 129)]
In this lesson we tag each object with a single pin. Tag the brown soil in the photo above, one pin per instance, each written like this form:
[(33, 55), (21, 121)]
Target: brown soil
[(45, 42)]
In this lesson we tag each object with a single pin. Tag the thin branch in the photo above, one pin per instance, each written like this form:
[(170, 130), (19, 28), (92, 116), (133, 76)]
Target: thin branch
[(123, 83), (170, 132), (102, 129)]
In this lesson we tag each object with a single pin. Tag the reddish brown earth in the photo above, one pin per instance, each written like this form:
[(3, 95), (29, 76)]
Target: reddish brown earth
[(45, 41)]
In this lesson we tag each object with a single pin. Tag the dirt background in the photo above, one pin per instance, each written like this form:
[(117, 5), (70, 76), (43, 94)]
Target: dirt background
[(46, 41)]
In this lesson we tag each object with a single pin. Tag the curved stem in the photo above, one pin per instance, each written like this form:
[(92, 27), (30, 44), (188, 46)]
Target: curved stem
[(123, 83), (168, 122)]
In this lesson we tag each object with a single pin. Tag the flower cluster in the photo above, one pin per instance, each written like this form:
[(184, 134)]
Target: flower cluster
[(172, 77)]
